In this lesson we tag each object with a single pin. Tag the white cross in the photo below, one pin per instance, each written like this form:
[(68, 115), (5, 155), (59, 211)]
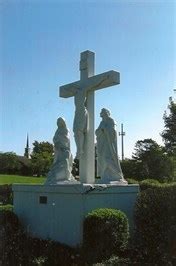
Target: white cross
[(92, 83)]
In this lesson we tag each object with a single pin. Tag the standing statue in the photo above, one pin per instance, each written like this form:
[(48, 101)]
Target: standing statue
[(108, 163), (62, 164), (80, 124)]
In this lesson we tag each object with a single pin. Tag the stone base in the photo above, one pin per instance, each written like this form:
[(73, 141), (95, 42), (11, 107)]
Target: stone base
[(57, 212), (115, 183)]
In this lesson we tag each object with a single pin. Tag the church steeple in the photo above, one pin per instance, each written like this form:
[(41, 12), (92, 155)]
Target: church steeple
[(27, 149)]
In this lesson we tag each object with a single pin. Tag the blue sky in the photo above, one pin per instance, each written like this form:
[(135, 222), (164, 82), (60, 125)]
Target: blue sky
[(40, 46)]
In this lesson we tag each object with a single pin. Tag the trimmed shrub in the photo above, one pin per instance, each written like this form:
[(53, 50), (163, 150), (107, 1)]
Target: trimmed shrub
[(6, 196), (132, 181), (12, 240), (17, 248), (148, 183), (155, 224), (7, 207), (105, 232), (47, 252), (114, 260)]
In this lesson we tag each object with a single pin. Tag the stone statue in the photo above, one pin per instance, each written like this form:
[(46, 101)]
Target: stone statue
[(62, 164), (108, 165), (80, 124)]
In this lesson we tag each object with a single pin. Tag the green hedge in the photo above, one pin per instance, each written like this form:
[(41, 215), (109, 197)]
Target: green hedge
[(7, 207), (17, 248), (155, 224), (132, 181), (149, 183), (105, 232), (6, 196), (12, 239)]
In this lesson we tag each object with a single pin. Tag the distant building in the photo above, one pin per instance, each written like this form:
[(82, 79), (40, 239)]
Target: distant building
[(25, 160), (27, 149)]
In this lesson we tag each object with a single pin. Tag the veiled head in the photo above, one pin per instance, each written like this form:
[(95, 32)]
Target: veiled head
[(61, 123), (105, 112)]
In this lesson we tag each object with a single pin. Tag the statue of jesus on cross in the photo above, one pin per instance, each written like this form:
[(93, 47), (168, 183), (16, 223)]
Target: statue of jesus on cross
[(80, 124), (83, 127)]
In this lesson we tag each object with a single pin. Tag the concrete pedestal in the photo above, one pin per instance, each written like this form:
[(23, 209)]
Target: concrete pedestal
[(57, 212)]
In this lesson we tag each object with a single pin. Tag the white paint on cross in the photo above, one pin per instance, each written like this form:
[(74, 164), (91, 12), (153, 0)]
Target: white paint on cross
[(90, 83)]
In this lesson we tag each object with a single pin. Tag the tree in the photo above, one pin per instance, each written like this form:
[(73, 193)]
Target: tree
[(42, 157), (169, 133), (9, 163), (131, 169), (44, 146), (26, 167), (75, 168), (152, 160)]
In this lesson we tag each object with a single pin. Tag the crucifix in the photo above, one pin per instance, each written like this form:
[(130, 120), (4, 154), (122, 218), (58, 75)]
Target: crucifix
[(83, 93)]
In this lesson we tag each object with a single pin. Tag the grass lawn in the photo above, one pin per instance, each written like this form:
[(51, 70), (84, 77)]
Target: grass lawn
[(11, 179)]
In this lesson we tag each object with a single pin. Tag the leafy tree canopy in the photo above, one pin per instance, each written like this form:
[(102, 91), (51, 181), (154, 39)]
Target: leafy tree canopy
[(9, 163), (144, 148), (151, 161), (42, 147), (169, 133), (42, 157)]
